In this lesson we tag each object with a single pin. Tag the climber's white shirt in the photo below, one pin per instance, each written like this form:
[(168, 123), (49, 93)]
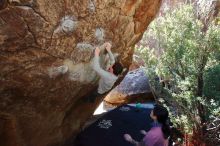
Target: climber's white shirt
[(107, 79)]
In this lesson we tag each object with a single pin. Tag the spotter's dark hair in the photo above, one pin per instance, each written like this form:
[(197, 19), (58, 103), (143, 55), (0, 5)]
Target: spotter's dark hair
[(162, 117)]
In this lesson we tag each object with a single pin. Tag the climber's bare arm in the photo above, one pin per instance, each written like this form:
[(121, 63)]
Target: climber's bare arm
[(128, 138), (108, 47), (143, 132), (96, 66)]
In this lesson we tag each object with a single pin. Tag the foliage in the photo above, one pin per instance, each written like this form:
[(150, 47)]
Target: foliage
[(212, 83), (181, 52), (212, 89)]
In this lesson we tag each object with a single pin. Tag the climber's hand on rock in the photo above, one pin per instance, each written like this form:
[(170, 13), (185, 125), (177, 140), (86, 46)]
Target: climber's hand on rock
[(108, 46), (97, 51)]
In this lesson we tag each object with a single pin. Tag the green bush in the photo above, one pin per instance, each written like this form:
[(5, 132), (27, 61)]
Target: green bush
[(212, 88), (212, 83), (182, 52)]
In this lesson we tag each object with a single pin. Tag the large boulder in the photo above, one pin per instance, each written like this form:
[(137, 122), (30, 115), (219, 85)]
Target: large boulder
[(134, 87), (45, 51)]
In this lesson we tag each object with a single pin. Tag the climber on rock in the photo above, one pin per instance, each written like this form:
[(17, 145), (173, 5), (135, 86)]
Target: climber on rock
[(107, 77)]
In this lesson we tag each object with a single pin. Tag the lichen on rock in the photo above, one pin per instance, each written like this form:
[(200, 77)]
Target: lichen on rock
[(91, 6), (67, 25), (99, 34)]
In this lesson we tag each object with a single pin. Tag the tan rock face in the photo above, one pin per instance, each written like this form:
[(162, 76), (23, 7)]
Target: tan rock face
[(40, 99)]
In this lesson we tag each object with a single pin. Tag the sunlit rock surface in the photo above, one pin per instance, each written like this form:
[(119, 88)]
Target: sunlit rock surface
[(45, 51)]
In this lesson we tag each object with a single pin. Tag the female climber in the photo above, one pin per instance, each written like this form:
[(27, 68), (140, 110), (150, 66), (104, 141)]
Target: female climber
[(158, 134)]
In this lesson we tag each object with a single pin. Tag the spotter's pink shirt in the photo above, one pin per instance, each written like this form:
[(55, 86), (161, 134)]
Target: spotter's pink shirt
[(154, 137)]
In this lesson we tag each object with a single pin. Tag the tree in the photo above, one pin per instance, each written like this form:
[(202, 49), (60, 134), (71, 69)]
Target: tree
[(188, 50)]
